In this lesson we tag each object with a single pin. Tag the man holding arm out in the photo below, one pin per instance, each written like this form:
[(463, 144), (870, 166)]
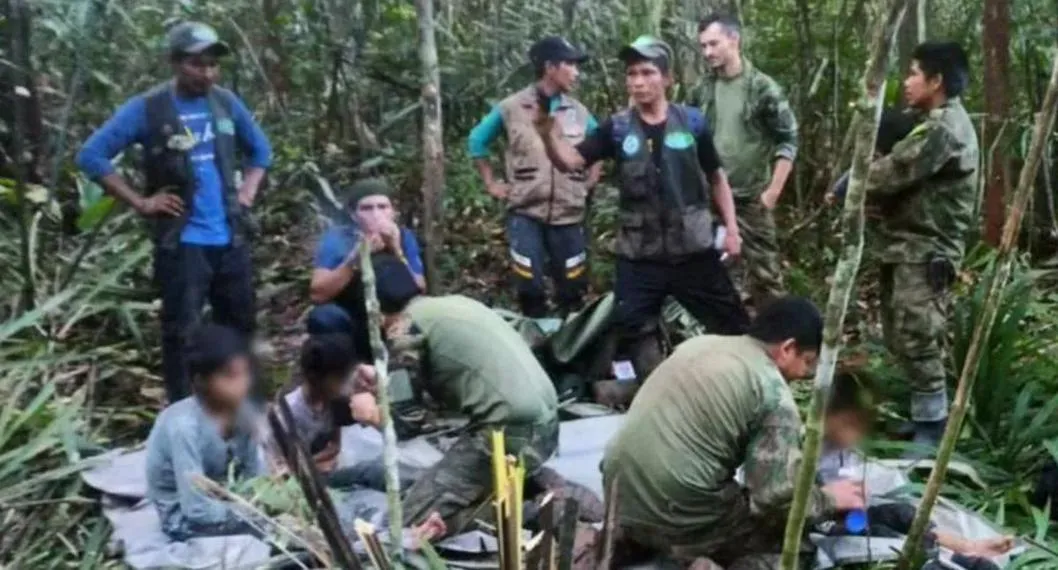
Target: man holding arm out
[(665, 239)]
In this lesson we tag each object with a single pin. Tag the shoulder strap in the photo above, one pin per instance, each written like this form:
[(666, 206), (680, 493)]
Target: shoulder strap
[(622, 124)]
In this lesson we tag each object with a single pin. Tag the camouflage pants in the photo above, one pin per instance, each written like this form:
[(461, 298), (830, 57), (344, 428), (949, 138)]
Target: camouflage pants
[(913, 322), (758, 274), (459, 486), (738, 541)]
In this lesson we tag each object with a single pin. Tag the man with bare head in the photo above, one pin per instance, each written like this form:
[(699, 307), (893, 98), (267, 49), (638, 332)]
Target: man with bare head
[(756, 136)]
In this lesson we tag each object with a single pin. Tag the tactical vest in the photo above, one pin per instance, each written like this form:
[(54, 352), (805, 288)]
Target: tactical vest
[(169, 169), (538, 189), (664, 208)]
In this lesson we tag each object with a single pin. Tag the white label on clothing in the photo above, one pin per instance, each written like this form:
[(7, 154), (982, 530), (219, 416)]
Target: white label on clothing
[(576, 260), (521, 259), (721, 235), (624, 371)]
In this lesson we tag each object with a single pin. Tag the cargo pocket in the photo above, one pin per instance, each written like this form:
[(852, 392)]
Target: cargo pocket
[(697, 229), (638, 177), (630, 234)]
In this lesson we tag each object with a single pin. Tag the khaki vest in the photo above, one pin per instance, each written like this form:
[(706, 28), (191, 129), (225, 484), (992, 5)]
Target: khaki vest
[(538, 189)]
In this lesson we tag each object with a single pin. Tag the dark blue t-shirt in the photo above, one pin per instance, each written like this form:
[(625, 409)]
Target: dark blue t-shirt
[(338, 241)]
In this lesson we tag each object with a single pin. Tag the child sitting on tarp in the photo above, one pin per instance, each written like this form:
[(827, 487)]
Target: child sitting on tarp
[(850, 414), (334, 394), (208, 434)]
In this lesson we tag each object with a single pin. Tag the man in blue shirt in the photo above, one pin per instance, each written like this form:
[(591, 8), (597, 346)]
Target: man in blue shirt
[(545, 225), (191, 131), (335, 288)]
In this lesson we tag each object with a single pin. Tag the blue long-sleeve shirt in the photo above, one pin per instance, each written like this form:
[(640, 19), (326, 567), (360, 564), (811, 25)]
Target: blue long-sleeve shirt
[(184, 443), (491, 126), (208, 222)]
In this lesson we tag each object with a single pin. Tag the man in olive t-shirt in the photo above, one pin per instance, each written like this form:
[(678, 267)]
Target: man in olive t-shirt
[(720, 402), (474, 363)]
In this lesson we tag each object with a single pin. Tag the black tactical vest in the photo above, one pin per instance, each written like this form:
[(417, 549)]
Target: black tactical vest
[(169, 169), (664, 208)]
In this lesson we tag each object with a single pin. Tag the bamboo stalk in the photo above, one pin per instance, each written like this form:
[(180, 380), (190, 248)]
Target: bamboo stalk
[(998, 279), (869, 112), (389, 434)]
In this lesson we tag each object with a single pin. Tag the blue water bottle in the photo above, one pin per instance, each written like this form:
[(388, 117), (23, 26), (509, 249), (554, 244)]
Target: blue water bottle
[(856, 521)]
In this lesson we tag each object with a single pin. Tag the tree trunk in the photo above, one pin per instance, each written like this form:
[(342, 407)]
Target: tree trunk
[(996, 45), (389, 433), (869, 111), (997, 281), (433, 179)]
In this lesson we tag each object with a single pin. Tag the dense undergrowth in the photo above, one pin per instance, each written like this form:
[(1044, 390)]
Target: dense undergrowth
[(336, 86)]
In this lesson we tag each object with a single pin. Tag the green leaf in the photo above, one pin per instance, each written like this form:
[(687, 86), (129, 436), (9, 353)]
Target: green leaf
[(94, 214)]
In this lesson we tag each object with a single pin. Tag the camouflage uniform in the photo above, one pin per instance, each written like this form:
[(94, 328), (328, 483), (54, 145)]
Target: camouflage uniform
[(927, 188), (717, 403), (472, 362), (753, 125)]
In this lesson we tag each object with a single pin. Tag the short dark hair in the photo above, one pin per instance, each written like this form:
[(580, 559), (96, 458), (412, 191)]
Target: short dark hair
[(789, 317), (729, 23), (851, 392), (211, 347), (947, 59), (327, 355)]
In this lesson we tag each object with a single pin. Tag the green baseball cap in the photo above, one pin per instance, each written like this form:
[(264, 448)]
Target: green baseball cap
[(648, 47), (192, 38)]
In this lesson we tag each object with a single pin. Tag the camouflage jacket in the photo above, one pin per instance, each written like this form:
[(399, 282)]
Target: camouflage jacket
[(929, 188), (766, 129)]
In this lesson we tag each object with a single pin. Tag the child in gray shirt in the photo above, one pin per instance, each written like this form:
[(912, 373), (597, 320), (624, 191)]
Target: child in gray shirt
[(205, 435)]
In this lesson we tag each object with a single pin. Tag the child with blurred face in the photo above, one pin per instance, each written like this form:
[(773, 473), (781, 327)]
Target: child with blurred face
[(850, 415)]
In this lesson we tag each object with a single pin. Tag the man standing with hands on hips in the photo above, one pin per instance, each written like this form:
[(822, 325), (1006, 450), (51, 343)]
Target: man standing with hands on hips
[(756, 136), (665, 235), (191, 131), (547, 206)]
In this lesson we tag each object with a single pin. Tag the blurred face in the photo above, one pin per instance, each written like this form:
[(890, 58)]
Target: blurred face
[(845, 429), (195, 74), (229, 386), (793, 363), (919, 90), (563, 75), (719, 48), (373, 212), (645, 82)]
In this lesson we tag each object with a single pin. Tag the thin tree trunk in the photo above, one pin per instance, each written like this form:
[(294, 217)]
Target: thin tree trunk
[(996, 45), (23, 159), (389, 433), (869, 111), (997, 281), (433, 179)]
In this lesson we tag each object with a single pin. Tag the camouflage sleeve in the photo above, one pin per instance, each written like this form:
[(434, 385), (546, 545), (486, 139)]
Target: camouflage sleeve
[(772, 463), (925, 150), (779, 121)]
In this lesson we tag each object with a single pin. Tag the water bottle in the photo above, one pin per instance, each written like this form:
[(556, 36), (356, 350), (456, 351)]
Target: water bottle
[(856, 521)]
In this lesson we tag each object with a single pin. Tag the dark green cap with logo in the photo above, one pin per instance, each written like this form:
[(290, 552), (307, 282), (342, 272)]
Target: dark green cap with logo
[(647, 47), (193, 38)]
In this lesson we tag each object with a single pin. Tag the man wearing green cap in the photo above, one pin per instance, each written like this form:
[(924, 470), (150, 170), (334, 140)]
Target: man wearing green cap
[(665, 239), (192, 133), (335, 288), (756, 136), (545, 225)]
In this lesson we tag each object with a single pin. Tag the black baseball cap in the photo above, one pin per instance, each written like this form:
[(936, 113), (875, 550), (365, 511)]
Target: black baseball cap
[(555, 49), (192, 38), (647, 47)]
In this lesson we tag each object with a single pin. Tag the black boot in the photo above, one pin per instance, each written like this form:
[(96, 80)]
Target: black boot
[(926, 439)]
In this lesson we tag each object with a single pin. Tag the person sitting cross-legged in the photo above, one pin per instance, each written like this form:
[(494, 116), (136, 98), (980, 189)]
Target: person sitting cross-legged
[(206, 435), (336, 289)]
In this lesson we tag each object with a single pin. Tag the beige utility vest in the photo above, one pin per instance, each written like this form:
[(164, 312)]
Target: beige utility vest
[(538, 189)]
